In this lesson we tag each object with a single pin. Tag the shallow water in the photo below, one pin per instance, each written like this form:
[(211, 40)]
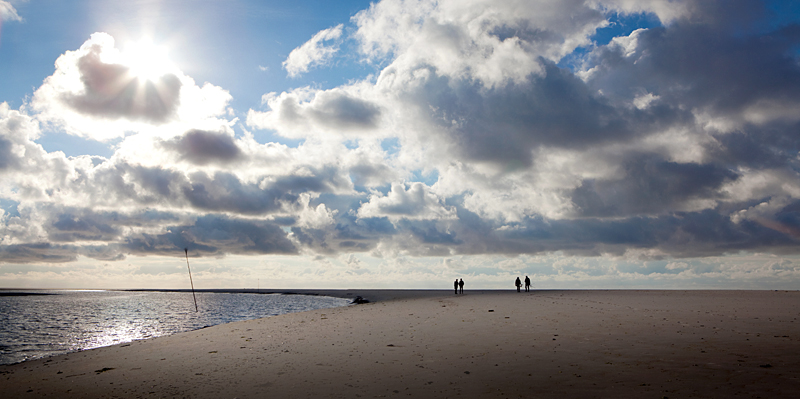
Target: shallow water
[(36, 326)]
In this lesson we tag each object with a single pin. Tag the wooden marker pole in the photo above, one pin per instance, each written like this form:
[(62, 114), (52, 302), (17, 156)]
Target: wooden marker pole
[(186, 251)]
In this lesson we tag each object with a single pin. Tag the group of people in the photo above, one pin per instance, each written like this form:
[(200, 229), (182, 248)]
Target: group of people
[(527, 284), (459, 284)]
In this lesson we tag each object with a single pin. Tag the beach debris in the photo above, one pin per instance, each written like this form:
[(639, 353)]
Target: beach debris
[(359, 300), (103, 370)]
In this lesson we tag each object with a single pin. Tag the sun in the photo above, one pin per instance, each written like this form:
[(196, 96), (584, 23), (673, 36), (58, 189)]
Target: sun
[(146, 60)]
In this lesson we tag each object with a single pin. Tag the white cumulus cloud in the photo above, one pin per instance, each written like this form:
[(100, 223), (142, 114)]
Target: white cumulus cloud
[(418, 202), (315, 52), (93, 93)]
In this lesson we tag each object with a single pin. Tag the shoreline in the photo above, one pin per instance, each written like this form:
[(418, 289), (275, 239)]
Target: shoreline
[(484, 343), (373, 295)]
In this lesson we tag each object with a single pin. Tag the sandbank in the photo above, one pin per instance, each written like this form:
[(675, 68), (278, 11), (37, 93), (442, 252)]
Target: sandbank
[(482, 344)]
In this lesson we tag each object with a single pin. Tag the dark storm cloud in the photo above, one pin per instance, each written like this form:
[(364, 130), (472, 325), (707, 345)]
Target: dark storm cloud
[(203, 147), (81, 224), (691, 234), (112, 92), (366, 173), (69, 227), (315, 239), (343, 111), (124, 183), (332, 110), (505, 124), (226, 192), (679, 235), (102, 252), (381, 225), (649, 186), (429, 232), (213, 235), (324, 179), (214, 192), (158, 183), (7, 158), (38, 252), (114, 235), (765, 147), (705, 66)]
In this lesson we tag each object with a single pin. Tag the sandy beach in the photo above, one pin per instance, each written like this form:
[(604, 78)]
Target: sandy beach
[(483, 344)]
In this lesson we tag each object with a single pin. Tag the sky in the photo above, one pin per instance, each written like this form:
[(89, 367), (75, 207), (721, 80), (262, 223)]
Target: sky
[(400, 144)]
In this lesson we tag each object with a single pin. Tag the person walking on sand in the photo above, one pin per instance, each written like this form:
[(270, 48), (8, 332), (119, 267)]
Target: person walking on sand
[(461, 285), (527, 284), (455, 285), (518, 284)]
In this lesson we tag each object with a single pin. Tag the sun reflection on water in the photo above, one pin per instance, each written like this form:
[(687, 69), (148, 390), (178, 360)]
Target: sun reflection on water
[(45, 325)]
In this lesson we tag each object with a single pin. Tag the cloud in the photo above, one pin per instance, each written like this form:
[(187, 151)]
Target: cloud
[(629, 152), (209, 235), (96, 93), (15, 130), (93, 82), (201, 147), (314, 52), (41, 252), (649, 186), (215, 235), (367, 166), (666, 10), (8, 12), (474, 138), (728, 96), (492, 43), (309, 113), (415, 203)]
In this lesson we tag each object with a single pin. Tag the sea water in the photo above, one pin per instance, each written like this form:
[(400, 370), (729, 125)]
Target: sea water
[(58, 322)]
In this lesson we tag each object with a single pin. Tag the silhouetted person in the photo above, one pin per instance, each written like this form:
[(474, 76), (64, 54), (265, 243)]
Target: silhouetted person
[(455, 285), (461, 285), (527, 284), (518, 284)]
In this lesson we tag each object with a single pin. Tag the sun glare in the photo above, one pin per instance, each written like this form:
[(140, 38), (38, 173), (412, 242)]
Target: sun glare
[(146, 60)]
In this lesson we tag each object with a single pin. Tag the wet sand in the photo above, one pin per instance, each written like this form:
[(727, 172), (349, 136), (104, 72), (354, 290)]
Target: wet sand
[(486, 344)]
